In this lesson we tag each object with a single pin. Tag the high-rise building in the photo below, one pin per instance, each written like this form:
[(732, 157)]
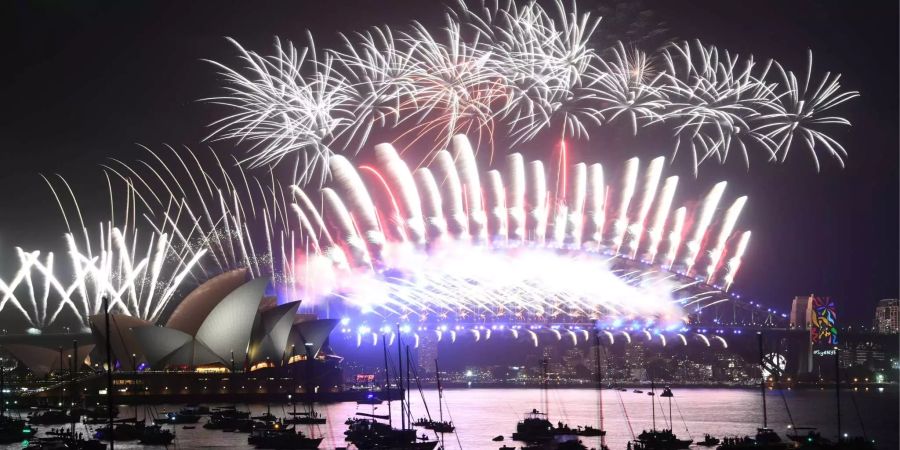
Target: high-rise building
[(802, 311), (887, 316), (427, 353)]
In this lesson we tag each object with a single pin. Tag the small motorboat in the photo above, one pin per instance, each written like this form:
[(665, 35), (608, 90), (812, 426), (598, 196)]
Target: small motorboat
[(266, 417), (442, 427), (590, 431), (708, 441), (498, 438), (434, 425), (661, 440), (638, 391)]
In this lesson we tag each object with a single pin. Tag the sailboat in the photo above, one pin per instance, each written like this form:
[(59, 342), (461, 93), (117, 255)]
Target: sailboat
[(367, 433), (441, 426), (310, 416), (274, 435), (814, 440), (438, 426), (536, 429), (766, 438), (588, 430), (268, 431), (663, 439)]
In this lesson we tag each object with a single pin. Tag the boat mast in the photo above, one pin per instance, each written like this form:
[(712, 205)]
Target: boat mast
[(400, 384), (762, 384), (3, 386), (671, 419), (545, 385), (387, 380), (408, 409), (60, 378), (109, 376), (294, 374), (837, 390), (72, 384), (653, 401), (667, 392), (600, 392), (310, 388), (437, 374)]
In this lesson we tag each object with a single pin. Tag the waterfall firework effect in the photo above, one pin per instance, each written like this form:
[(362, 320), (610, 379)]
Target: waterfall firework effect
[(516, 72), (447, 241)]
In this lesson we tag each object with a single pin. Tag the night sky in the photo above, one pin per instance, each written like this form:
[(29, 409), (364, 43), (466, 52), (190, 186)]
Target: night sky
[(88, 80)]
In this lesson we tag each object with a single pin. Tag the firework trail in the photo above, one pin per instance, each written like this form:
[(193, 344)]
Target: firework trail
[(139, 271)]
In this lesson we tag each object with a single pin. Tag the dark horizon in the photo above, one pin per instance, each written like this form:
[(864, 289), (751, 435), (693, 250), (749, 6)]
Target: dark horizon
[(91, 81)]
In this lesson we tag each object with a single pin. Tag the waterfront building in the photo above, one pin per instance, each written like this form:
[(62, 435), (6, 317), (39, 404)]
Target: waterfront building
[(870, 355)]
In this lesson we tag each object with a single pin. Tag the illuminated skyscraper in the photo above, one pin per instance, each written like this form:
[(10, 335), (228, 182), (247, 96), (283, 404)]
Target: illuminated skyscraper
[(426, 354), (887, 316)]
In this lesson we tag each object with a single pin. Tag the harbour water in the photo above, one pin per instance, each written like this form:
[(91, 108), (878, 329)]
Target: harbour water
[(481, 414)]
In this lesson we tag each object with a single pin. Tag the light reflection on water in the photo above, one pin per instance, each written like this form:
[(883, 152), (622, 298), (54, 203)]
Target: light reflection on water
[(481, 414)]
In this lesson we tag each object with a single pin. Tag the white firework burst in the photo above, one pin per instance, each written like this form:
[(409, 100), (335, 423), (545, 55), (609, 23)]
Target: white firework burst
[(516, 71), (799, 111), (283, 103)]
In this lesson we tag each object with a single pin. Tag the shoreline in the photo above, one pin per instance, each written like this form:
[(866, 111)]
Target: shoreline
[(887, 387)]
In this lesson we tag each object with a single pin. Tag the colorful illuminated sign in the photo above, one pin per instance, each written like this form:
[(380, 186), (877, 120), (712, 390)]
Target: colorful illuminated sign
[(823, 329)]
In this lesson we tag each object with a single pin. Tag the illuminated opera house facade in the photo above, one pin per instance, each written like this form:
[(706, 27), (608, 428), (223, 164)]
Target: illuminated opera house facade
[(227, 337)]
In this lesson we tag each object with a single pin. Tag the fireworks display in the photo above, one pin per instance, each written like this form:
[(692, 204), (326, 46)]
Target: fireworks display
[(517, 72), (448, 241), (445, 241), (431, 236)]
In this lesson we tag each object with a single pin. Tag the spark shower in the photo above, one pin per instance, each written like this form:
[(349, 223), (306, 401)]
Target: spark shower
[(434, 235)]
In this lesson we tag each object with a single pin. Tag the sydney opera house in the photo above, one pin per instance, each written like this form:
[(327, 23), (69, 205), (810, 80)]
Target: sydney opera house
[(227, 337)]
